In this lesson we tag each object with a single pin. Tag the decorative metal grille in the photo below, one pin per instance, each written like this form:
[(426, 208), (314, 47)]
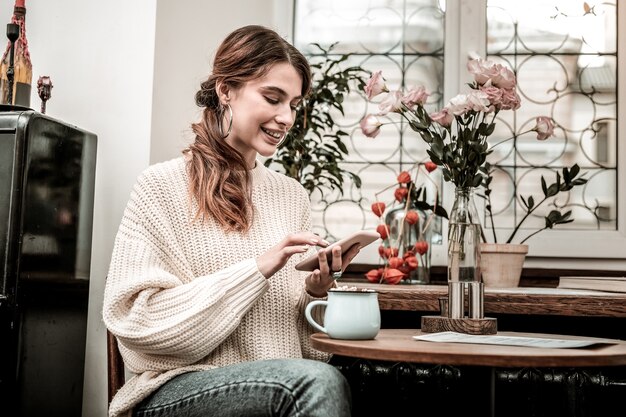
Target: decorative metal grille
[(405, 40), (565, 58)]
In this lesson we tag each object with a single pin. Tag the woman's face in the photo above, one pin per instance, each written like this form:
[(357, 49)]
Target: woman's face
[(263, 111)]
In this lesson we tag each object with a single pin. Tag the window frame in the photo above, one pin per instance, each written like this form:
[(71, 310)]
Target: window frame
[(465, 35)]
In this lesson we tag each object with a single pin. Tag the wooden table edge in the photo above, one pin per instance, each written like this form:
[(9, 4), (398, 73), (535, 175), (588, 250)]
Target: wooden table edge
[(461, 354)]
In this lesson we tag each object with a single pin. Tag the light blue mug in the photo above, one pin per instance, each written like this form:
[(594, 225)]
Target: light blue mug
[(350, 314)]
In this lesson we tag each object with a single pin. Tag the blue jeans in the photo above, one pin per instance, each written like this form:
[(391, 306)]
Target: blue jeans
[(281, 387)]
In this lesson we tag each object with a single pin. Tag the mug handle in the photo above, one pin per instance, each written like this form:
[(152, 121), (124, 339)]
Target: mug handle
[(307, 313)]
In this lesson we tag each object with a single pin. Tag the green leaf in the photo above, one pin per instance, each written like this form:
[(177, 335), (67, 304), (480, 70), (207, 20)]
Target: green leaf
[(552, 190), (524, 201), (434, 157), (566, 175), (441, 212), (426, 136), (490, 129)]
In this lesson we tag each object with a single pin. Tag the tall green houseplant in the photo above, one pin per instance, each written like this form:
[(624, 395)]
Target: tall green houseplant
[(313, 149)]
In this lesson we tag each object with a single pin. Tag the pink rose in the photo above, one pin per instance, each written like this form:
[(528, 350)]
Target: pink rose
[(458, 105), (370, 126), (487, 73), (391, 103), (474, 101), (544, 127), (494, 94), (483, 70), (375, 85), (415, 96), (510, 100), (479, 101), (505, 79), (443, 117)]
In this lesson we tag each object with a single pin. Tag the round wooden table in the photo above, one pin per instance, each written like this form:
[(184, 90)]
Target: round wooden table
[(398, 345)]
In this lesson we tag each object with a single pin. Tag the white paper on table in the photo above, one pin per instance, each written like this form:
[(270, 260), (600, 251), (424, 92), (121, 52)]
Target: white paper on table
[(540, 342)]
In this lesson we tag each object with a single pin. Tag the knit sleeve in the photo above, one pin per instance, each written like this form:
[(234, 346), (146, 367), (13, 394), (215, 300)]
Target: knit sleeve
[(305, 330), (153, 311)]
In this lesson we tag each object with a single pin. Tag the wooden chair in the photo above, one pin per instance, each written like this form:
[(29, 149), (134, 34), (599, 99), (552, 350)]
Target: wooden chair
[(115, 366)]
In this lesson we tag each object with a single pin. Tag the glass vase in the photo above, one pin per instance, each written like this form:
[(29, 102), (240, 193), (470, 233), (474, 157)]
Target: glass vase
[(464, 238), (404, 236)]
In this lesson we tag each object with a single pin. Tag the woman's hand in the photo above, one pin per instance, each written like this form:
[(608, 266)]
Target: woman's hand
[(275, 258), (321, 280)]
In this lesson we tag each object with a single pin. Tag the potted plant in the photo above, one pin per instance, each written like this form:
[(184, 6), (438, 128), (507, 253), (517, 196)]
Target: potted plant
[(501, 263), (457, 137), (313, 148)]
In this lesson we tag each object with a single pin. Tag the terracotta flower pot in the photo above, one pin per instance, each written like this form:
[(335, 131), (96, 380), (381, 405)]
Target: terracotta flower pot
[(501, 264)]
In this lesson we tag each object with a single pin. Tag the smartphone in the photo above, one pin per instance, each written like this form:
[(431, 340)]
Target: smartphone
[(362, 238)]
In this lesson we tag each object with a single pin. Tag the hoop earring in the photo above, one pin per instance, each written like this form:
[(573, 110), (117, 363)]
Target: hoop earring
[(230, 123)]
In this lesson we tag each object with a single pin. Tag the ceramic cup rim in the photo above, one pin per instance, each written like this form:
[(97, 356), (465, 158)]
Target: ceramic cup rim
[(335, 291)]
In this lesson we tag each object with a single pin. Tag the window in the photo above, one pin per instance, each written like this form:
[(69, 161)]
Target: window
[(566, 58)]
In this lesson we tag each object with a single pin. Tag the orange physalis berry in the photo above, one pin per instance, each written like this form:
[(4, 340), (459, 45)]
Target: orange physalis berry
[(392, 276), (383, 231), (381, 251), (373, 275), (378, 208), (411, 217), (412, 262), (400, 194), (387, 253), (393, 251), (421, 247), (404, 177), (395, 262), (408, 253), (430, 166), (405, 269)]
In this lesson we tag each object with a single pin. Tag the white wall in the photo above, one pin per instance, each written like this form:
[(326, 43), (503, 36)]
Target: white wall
[(127, 71), (99, 56)]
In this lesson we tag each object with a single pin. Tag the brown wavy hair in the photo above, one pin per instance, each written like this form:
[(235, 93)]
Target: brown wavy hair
[(219, 177)]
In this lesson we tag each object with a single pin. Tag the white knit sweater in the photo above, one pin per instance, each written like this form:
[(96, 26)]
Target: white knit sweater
[(183, 295)]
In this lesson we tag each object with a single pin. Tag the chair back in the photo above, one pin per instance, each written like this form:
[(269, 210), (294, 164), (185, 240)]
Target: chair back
[(115, 366)]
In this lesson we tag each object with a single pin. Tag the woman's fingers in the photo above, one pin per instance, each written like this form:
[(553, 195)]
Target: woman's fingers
[(303, 238), (336, 261), (322, 279), (294, 243), (323, 263)]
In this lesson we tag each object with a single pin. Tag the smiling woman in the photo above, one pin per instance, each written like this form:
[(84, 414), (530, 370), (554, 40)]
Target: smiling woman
[(202, 291), (267, 109)]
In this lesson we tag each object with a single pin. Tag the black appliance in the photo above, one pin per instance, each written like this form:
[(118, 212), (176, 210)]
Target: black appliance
[(47, 173)]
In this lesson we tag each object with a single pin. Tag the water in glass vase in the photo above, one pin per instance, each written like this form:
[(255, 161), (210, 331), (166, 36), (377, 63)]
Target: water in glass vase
[(404, 236), (464, 252)]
